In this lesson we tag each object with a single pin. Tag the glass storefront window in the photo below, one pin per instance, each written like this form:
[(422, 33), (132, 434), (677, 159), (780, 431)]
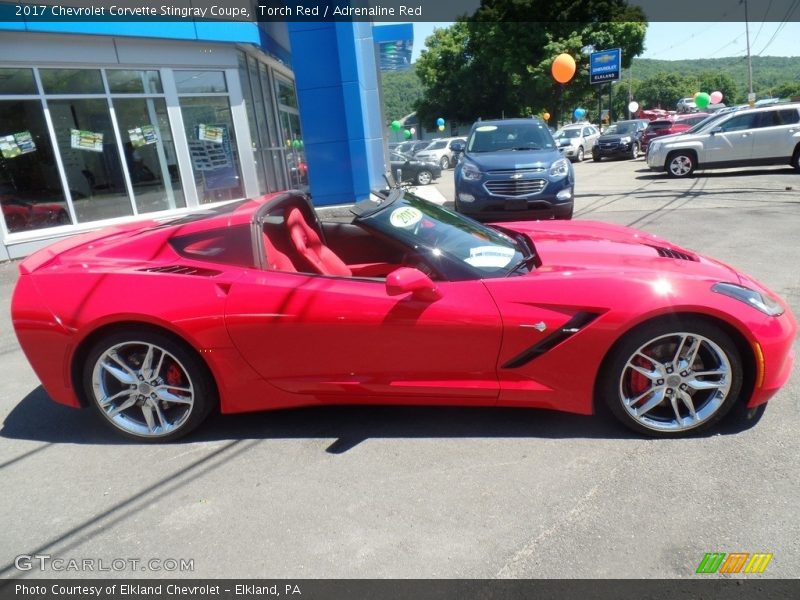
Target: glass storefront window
[(200, 82), (17, 81), (30, 188), (149, 153), (89, 153), (286, 95), (71, 81), (133, 82), (212, 147)]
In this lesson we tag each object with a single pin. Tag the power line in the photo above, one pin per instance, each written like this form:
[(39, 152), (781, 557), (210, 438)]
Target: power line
[(780, 27)]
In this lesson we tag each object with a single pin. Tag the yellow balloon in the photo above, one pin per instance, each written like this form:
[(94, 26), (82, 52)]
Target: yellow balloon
[(546, 116)]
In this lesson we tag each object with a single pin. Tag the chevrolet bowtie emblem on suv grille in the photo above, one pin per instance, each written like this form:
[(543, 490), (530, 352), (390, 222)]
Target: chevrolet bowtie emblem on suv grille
[(516, 176)]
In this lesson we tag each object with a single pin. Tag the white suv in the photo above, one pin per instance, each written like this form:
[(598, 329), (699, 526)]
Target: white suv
[(745, 138), (440, 151)]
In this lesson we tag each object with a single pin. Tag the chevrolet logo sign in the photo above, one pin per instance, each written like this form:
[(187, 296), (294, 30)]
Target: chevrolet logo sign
[(516, 176)]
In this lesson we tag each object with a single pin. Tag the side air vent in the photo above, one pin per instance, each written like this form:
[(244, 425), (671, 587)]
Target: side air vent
[(183, 270), (668, 253)]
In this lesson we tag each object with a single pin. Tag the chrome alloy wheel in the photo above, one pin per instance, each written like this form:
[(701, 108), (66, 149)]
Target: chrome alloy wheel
[(142, 389), (675, 382), (680, 165)]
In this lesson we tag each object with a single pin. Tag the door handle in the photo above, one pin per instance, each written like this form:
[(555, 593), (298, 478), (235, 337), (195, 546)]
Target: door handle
[(744, 135)]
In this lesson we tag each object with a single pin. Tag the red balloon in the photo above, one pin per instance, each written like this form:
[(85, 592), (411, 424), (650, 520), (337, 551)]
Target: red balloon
[(563, 68)]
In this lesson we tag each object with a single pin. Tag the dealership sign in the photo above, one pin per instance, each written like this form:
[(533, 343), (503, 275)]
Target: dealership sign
[(605, 66)]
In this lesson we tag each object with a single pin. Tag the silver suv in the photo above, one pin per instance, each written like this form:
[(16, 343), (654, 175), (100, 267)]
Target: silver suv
[(440, 151), (745, 138)]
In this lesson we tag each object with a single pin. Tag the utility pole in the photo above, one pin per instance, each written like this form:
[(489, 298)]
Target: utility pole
[(751, 98)]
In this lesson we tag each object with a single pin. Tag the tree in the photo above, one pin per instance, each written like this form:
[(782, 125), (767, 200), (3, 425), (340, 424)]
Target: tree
[(497, 61), (711, 81), (788, 89), (664, 90), (401, 91)]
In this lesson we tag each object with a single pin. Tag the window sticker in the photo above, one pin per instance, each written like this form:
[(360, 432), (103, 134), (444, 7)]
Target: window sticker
[(17, 144), (86, 140), (490, 256), (209, 133), (486, 128), (406, 216), (141, 136)]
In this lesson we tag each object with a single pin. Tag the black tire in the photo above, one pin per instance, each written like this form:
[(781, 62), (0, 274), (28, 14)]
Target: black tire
[(595, 157), (580, 156), (653, 404), (444, 163), (424, 177), (189, 371), (681, 164), (564, 214), (634, 151), (796, 159)]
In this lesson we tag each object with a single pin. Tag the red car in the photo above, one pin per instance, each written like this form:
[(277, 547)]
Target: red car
[(676, 124), (258, 305)]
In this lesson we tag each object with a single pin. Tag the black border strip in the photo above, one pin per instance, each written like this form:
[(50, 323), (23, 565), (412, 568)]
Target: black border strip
[(707, 588)]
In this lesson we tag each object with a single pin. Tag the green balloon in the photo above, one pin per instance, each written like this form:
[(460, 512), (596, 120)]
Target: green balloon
[(406, 133), (396, 125), (702, 100), (296, 144)]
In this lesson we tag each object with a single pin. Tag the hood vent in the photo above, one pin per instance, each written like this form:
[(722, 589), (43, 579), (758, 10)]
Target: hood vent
[(669, 253), (183, 270)]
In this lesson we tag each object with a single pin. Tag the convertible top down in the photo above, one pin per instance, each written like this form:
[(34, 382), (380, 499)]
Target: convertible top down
[(257, 305)]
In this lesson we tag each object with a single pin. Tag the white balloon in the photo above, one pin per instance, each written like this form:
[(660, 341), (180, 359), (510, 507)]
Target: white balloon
[(633, 106)]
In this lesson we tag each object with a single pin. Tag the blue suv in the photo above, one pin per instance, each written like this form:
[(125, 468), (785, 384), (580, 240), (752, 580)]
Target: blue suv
[(512, 170)]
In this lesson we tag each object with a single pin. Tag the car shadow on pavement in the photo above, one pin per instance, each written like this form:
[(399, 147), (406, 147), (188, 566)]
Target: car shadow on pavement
[(713, 174), (37, 418)]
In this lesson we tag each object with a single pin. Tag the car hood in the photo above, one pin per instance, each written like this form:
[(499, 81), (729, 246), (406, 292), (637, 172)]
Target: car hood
[(514, 159), (614, 137), (580, 246)]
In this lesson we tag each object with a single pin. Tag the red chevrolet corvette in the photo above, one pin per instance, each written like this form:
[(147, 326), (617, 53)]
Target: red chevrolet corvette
[(258, 305)]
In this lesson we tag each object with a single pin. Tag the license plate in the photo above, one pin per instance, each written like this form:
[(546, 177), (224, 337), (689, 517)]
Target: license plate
[(516, 204)]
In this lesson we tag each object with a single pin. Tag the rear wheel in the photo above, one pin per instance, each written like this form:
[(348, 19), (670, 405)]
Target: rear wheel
[(680, 164), (796, 159), (424, 177), (148, 386), (580, 156), (669, 379)]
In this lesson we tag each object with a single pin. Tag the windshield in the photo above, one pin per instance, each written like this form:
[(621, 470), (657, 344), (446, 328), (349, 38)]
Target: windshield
[(620, 128), (705, 122), (531, 135), (568, 133), (438, 235)]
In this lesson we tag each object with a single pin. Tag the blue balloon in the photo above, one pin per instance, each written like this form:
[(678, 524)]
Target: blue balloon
[(579, 113), (440, 121)]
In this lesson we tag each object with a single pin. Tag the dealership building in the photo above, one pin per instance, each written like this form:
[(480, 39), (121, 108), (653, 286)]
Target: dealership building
[(107, 122)]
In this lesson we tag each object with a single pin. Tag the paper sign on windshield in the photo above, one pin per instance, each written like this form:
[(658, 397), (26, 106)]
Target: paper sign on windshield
[(490, 256)]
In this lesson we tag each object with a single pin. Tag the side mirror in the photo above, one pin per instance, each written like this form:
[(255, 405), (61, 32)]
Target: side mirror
[(716, 130), (457, 146), (409, 280)]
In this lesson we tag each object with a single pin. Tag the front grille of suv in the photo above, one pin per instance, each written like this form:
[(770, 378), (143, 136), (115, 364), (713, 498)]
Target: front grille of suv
[(515, 187)]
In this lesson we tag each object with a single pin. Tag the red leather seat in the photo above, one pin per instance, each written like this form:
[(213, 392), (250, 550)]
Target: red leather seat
[(310, 246), (276, 260)]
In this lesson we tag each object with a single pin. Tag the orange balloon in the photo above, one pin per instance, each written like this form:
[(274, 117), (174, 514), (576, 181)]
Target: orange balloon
[(563, 68), (546, 116)]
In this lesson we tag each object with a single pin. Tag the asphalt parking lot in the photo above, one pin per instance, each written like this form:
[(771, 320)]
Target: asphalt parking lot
[(428, 492)]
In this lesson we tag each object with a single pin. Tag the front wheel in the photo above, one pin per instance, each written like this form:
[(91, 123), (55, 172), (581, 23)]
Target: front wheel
[(635, 151), (680, 164), (148, 386), (424, 177), (796, 159), (579, 157), (444, 163), (670, 379)]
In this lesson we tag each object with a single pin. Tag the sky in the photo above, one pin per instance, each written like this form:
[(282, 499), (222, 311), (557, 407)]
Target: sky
[(678, 41)]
